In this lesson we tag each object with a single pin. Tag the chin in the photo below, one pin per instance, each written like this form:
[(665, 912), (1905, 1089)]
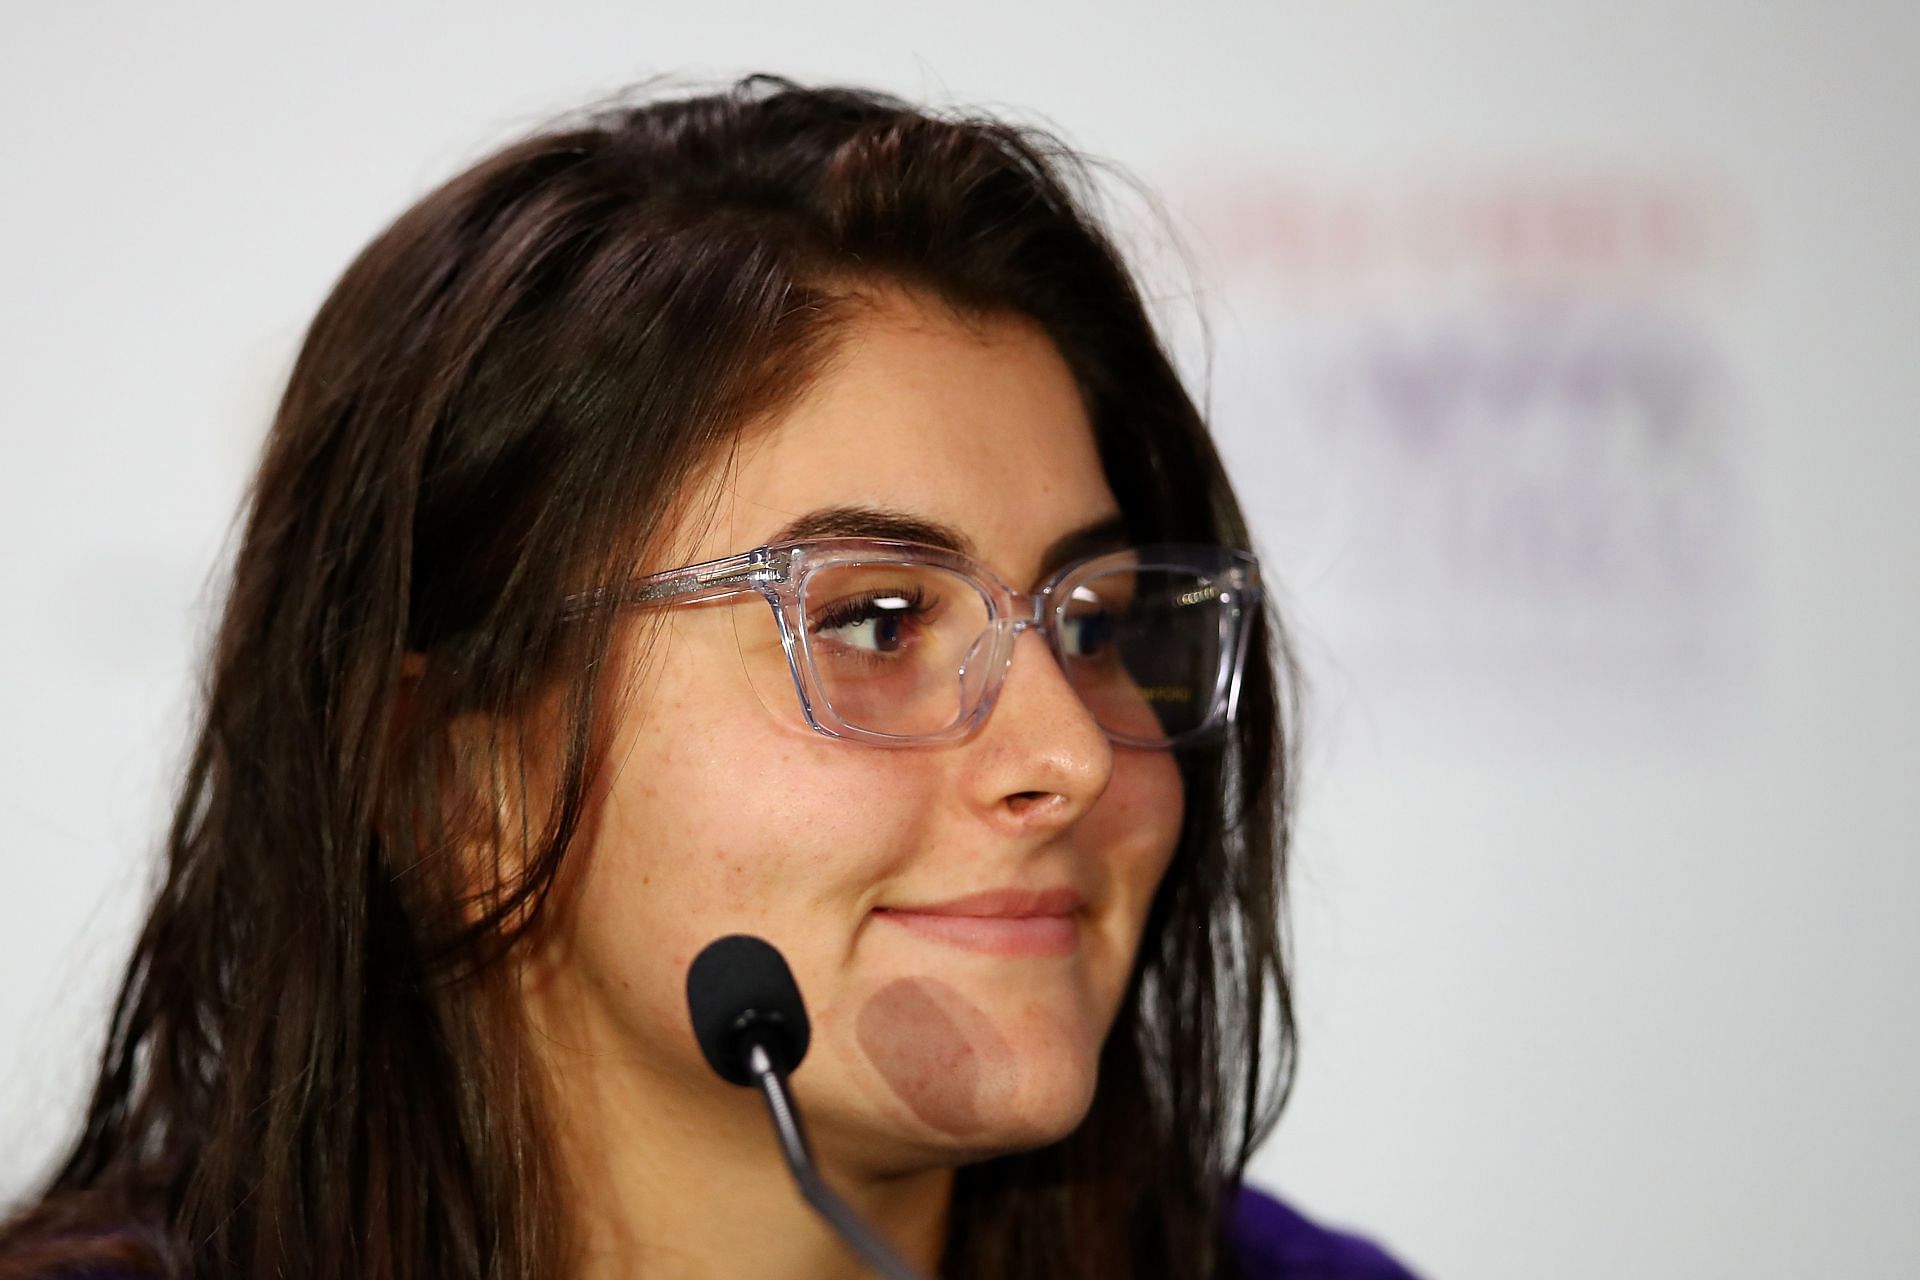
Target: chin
[(1040, 1109), (955, 1121), (966, 1075)]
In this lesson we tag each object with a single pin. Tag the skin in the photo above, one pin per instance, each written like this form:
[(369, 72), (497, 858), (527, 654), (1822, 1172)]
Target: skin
[(724, 813)]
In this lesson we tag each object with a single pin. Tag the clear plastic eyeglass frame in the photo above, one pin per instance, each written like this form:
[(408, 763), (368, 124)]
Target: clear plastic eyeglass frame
[(780, 575)]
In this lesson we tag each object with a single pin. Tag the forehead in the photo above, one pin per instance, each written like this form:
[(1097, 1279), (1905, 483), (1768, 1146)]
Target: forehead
[(973, 423)]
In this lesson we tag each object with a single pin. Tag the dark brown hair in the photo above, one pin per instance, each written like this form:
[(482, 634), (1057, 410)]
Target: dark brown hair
[(309, 1070)]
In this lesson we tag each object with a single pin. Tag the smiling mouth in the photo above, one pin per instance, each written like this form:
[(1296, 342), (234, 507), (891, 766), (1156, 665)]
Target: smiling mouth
[(1000, 922)]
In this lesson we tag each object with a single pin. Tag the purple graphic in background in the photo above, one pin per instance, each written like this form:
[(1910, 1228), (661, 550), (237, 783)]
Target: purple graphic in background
[(1485, 426)]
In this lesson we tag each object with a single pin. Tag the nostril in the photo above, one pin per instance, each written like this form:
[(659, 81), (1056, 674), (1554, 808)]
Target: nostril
[(1021, 801)]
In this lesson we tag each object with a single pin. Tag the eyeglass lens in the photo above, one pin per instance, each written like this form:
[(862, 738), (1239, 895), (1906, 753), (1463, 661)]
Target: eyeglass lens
[(905, 649)]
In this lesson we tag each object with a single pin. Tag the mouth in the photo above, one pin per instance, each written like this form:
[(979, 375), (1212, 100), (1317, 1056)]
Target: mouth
[(1006, 922)]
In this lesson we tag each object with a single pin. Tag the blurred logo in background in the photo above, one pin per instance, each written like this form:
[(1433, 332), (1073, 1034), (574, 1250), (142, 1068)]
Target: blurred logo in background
[(1484, 422)]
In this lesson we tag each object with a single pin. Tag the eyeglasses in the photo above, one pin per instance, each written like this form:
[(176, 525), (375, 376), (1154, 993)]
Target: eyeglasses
[(895, 643)]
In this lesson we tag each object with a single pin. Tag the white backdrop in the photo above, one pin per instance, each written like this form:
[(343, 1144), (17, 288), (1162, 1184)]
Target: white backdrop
[(1562, 353)]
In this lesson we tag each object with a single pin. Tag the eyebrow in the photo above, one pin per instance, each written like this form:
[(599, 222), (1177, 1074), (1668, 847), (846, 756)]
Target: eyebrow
[(1107, 533)]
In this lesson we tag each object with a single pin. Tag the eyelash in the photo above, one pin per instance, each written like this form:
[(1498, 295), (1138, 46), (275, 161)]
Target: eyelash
[(842, 613)]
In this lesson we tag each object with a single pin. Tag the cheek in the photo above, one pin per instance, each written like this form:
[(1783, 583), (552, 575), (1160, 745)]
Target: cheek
[(713, 794), (1140, 815), (716, 819), (1136, 826)]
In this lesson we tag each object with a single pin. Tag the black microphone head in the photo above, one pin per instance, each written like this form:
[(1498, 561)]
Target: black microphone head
[(740, 992)]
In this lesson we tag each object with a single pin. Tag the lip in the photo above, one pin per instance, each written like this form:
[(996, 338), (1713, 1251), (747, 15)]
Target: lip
[(1008, 922)]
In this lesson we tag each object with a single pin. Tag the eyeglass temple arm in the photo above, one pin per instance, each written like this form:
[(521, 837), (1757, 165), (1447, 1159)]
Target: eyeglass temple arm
[(712, 580)]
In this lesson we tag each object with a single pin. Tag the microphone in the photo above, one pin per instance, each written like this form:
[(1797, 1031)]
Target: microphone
[(752, 1027), (741, 993)]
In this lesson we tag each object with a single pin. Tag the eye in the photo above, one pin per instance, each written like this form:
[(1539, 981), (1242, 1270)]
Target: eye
[(1087, 635), (1088, 626), (880, 621)]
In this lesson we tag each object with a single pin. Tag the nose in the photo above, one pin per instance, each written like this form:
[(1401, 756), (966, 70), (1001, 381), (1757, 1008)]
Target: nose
[(1040, 761)]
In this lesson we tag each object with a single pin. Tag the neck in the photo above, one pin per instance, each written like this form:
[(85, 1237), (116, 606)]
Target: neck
[(667, 1179)]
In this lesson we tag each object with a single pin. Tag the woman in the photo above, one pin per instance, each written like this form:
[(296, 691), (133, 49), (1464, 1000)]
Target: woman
[(647, 549)]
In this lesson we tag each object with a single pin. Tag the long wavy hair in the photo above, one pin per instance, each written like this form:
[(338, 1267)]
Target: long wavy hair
[(311, 1069)]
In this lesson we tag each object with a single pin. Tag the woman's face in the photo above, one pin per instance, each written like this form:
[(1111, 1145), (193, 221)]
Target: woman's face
[(937, 1038)]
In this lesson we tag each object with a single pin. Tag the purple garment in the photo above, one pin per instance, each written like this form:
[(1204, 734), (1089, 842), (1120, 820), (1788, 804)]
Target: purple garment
[(1274, 1242)]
